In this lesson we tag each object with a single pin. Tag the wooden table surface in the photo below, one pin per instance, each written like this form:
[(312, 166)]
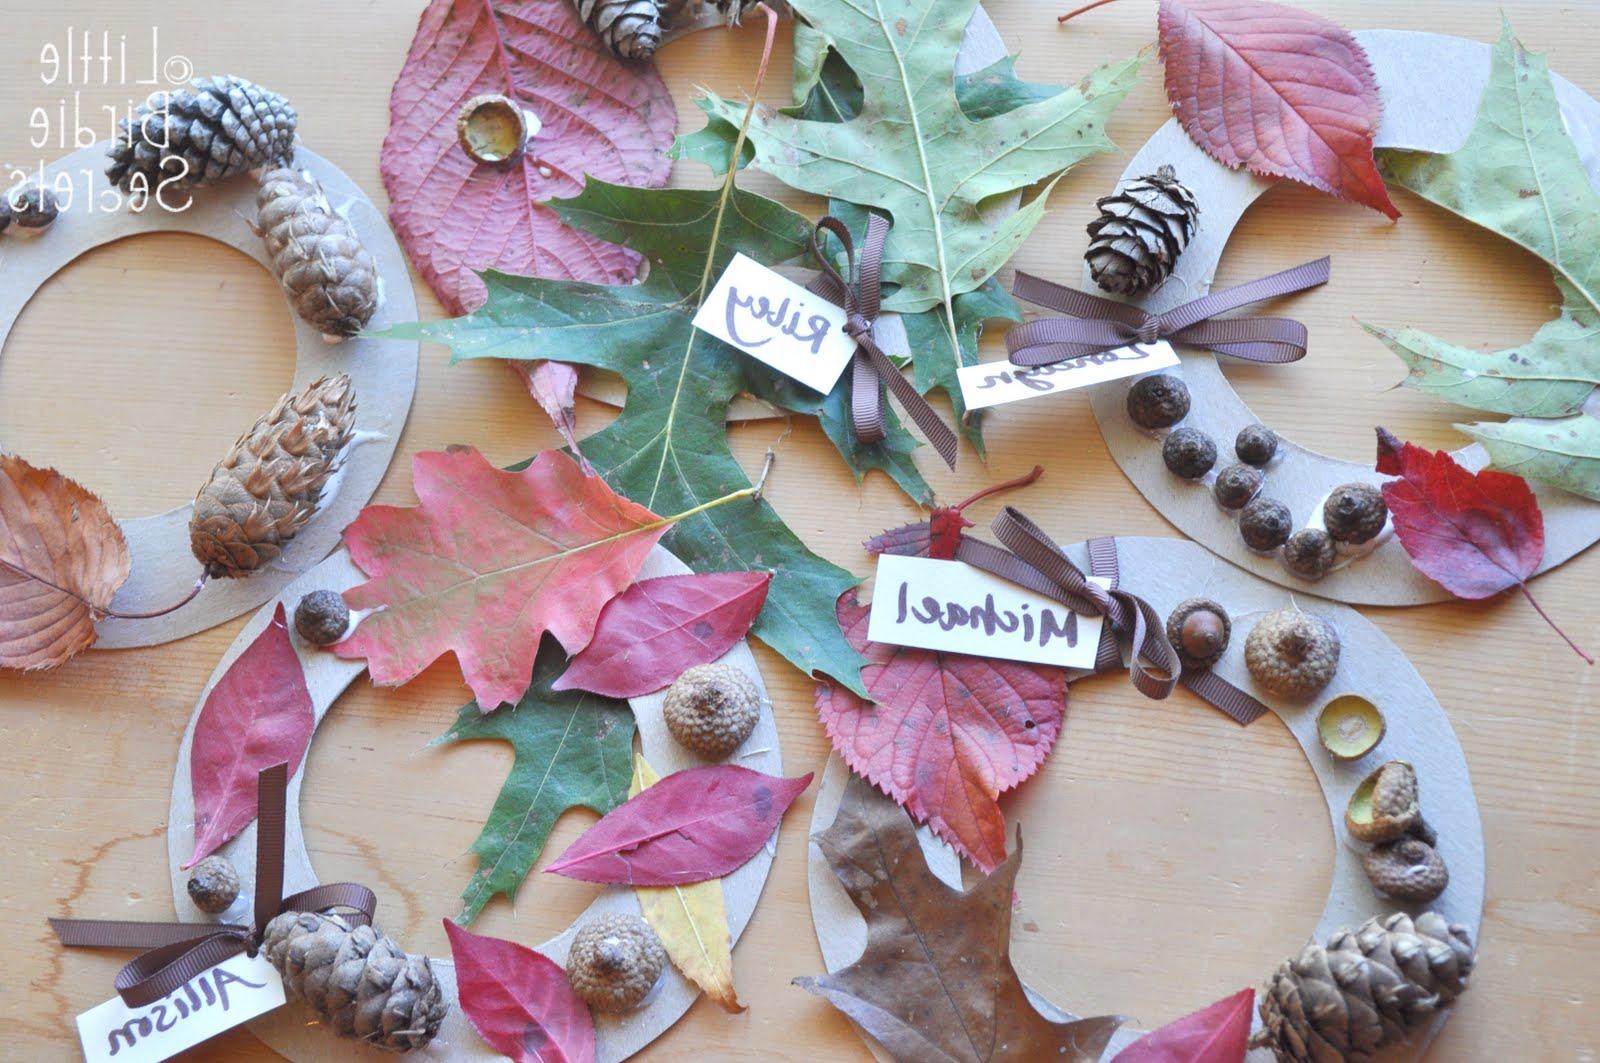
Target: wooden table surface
[(1173, 857)]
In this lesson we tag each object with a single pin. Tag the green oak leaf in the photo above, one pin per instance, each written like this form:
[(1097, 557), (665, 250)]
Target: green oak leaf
[(668, 448), (912, 152), (572, 749), (1519, 175), (1565, 453)]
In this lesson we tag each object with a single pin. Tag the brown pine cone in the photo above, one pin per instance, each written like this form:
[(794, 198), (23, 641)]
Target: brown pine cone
[(1142, 229), (357, 979), (212, 129), (316, 255), (271, 482)]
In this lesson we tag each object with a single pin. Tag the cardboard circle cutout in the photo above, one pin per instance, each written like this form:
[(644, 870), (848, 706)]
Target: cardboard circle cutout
[(286, 1030), (384, 375), (1164, 572), (1417, 116)]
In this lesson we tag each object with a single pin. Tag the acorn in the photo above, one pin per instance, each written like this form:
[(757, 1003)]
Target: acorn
[(1265, 523), (213, 885), (5, 214), (1255, 444), (1199, 630), (1189, 452), (1355, 513), (1384, 806), (711, 709), (322, 617), (614, 961), (1407, 869), (33, 210), (1292, 653), (1237, 484), (1159, 401), (1309, 553)]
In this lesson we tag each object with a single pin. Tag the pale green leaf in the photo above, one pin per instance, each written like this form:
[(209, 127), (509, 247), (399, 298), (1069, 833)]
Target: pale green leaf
[(1565, 453)]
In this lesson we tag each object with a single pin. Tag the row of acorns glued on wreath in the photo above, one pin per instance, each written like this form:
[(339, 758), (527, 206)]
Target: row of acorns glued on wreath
[(213, 129)]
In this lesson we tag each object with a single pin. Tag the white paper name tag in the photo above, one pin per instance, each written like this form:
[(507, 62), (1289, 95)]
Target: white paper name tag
[(995, 383), (948, 605), (774, 320), (232, 992)]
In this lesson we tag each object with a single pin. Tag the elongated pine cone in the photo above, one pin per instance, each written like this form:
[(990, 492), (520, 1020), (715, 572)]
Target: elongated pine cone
[(1365, 990), (357, 979), (271, 482), (210, 130), (630, 28), (1141, 231), (329, 274)]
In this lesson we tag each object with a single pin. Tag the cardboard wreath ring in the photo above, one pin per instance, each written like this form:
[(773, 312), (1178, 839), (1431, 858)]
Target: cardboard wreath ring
[(286, 1030), (383, 374), (1411, 67), (1164, 572)]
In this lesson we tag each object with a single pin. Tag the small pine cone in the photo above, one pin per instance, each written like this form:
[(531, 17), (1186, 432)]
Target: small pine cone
[(271, 482), (211, 130), (630, 28), (614, 961), (1140, 232), (1365, 990), (711, 709), (316, 255), (357, 979)]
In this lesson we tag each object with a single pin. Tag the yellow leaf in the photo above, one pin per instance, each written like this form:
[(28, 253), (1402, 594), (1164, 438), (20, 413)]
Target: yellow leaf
[(692, 921)]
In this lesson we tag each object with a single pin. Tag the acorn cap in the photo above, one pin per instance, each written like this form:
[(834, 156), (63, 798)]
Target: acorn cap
[(1384, 807), (1350, 727), (1292, 653), (614, 960), (711, 709), (492, 128), (1408, 870)]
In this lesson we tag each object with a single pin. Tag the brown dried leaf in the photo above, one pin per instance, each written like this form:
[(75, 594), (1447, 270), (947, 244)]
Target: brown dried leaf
[(62, 558), (935, 981)]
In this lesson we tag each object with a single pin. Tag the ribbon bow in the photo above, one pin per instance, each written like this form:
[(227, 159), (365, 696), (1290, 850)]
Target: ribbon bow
[(1098, 324), (860, 296), (178, 952)]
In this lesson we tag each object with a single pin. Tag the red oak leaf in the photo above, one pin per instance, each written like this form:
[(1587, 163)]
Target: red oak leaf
[(694, 825), (519, 1000), (651, 632), (1280, 91), (1474, 534), (486, 564), (948, 733), (1219, 1033), (598, 116), (259, 714)]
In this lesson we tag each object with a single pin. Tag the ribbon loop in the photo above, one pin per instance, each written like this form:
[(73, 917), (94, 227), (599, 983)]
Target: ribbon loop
[(1095, 324), (178, 952), (861, 296)]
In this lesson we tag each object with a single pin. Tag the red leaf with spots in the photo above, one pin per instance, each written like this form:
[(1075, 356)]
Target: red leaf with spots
[(519, 1000), (946, 734), (599, 116), (1280, 91), (1219, 1033)]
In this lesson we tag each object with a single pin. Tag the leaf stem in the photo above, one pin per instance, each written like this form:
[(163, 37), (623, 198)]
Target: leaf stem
[(733, 496), (1075, 12), (194, 592), (1523, 587), (994, 489)]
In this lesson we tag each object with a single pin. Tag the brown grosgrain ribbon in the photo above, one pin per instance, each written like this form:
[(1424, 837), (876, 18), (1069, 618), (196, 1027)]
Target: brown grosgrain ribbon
[(178, 952), (1096, 324), (860, 297)]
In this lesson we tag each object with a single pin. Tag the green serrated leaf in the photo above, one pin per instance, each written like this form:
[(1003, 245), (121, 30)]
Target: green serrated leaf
[(1565, 453), (1518, 175), (668, 449), (572, 749)]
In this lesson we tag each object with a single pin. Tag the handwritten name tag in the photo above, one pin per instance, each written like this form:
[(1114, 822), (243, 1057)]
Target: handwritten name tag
[(774, 320), (234, 991), (995, 383), (948, 605)]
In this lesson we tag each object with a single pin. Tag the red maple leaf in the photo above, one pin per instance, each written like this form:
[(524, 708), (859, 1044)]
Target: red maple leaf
[(945, 734), (940, 534), (486, 564), (1474, 534)]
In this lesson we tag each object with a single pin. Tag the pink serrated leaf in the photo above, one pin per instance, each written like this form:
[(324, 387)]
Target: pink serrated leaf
[(945, 734), (691, 826), (598, 115), (259, 714), (519, 1000), (1277, 90), (651, 632), (554, 386), (1218, 1033)]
